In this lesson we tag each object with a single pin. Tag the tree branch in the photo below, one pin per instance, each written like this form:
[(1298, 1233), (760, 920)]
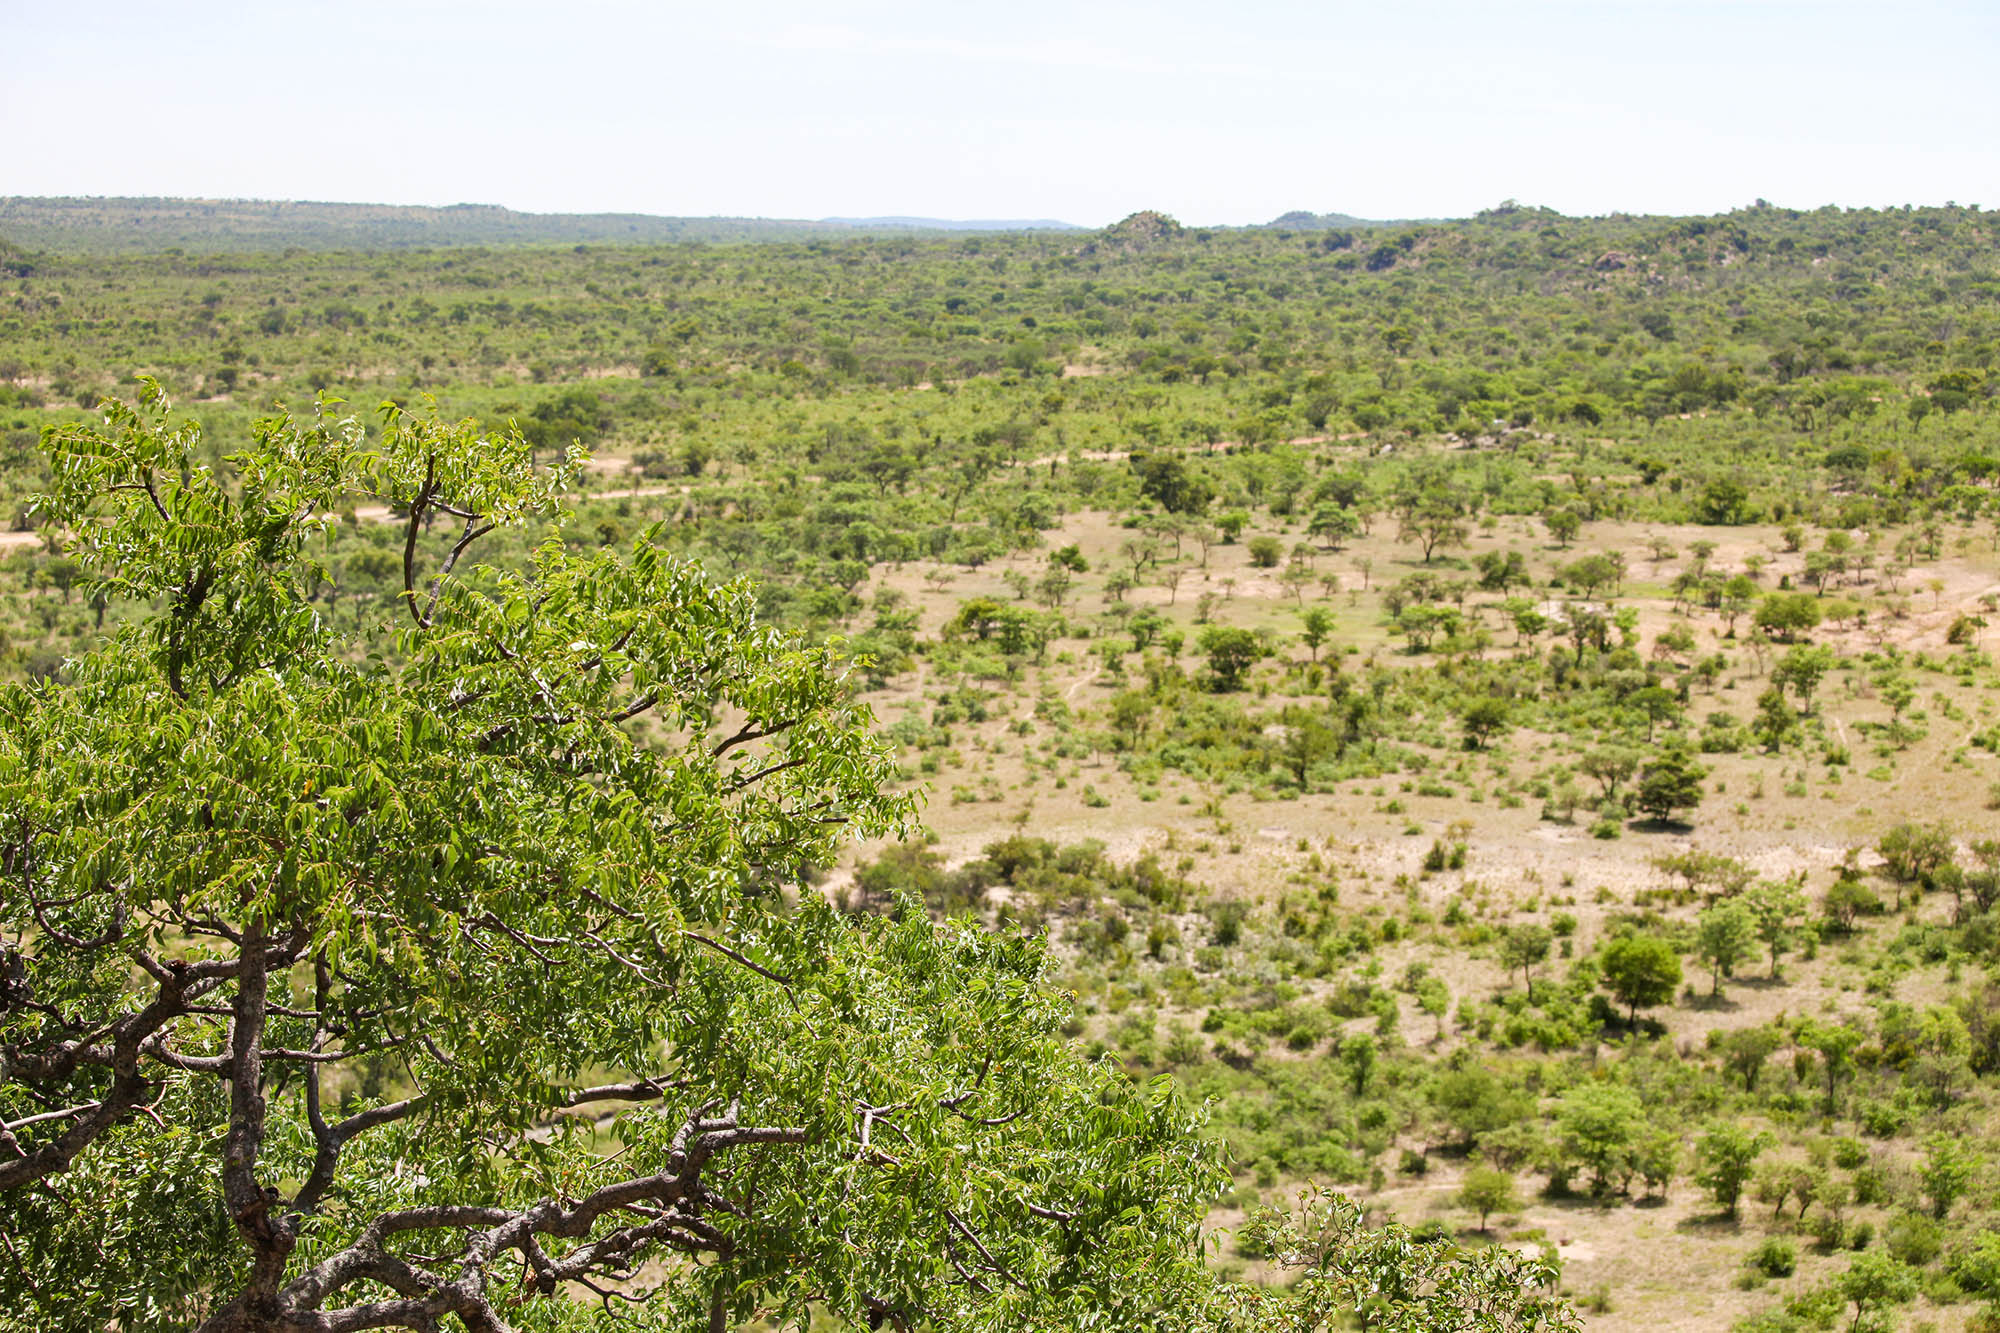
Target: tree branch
[(474, 530), (750, 732), (417, 506), (734, 956), (249, 1206)]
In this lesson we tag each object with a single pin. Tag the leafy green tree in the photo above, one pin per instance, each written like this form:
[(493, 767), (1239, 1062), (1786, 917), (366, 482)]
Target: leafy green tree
[(574, 415), (1591, 574), (1670, 783), (1658, 1157), (1657, 703), (1563, 525), (1641, 971), (1053, 588), (1434, 998), (1424, 622), (1847, 898), (1433, 520), (1914, 852), (1316, 624), (977, 616), (1524, 947), (1308, 740), (1947, 1172), (1487, 1190), (1786, 615), (1599, 1124), (1801, 670), (1586, 626), (1977, 1268), (1501, 570), (1724, 937), (1725, 1158), (1737, 593), (1775, 722), (1777, 906), (1708, 872), (1483, 719), (1723, 502), (1475, 1101), (1333, 524), (62, 574), (1745, 1052), (1610, 766), (1875, 1280), (1231, 652), (350, 954), (1526, 617), (1070, 557), (1835, 1044), (1359, 1055), (1169, 481)]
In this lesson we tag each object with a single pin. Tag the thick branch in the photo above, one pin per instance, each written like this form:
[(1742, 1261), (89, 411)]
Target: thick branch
[(671, 1200), (119, 1047), (247, 1202), (418, 503)]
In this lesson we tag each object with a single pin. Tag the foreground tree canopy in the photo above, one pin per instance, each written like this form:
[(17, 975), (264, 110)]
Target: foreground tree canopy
[(457, 974)]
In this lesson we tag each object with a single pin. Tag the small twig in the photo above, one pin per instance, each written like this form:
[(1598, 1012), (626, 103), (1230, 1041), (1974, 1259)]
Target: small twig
[(12, 1125)]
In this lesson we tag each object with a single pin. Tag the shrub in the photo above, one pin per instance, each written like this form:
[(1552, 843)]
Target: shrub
[(1776, 1257), (1914, 1240)]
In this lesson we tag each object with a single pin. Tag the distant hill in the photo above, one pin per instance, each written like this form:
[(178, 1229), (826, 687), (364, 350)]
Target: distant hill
[(1301, 220), (139, 225), (952, 224)]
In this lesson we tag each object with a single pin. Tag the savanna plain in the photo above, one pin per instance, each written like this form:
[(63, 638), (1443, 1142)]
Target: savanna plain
[(1499, 716)]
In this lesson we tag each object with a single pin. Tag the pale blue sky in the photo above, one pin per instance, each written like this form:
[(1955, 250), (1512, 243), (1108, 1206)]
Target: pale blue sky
[(1218, 113)]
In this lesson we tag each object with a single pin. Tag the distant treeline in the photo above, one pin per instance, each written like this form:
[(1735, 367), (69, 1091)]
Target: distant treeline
[(140, 225)]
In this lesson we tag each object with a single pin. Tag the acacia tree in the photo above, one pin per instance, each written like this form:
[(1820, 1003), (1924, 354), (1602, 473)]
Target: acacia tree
[(1433, 519), (403, 981)]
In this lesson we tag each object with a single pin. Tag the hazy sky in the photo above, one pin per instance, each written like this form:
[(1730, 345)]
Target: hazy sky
[(1215, 112)]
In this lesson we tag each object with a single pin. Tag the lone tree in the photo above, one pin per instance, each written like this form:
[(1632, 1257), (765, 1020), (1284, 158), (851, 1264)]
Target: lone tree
[(1524, 947), (1231, 653), (1724, 936), (1670, 783), (1484, 718), (1874, 1281), (1316, 625), (1801, 670), (1725, 1157), (329, 967), (1487, 1190), (1433, 519), (1641, 971)]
